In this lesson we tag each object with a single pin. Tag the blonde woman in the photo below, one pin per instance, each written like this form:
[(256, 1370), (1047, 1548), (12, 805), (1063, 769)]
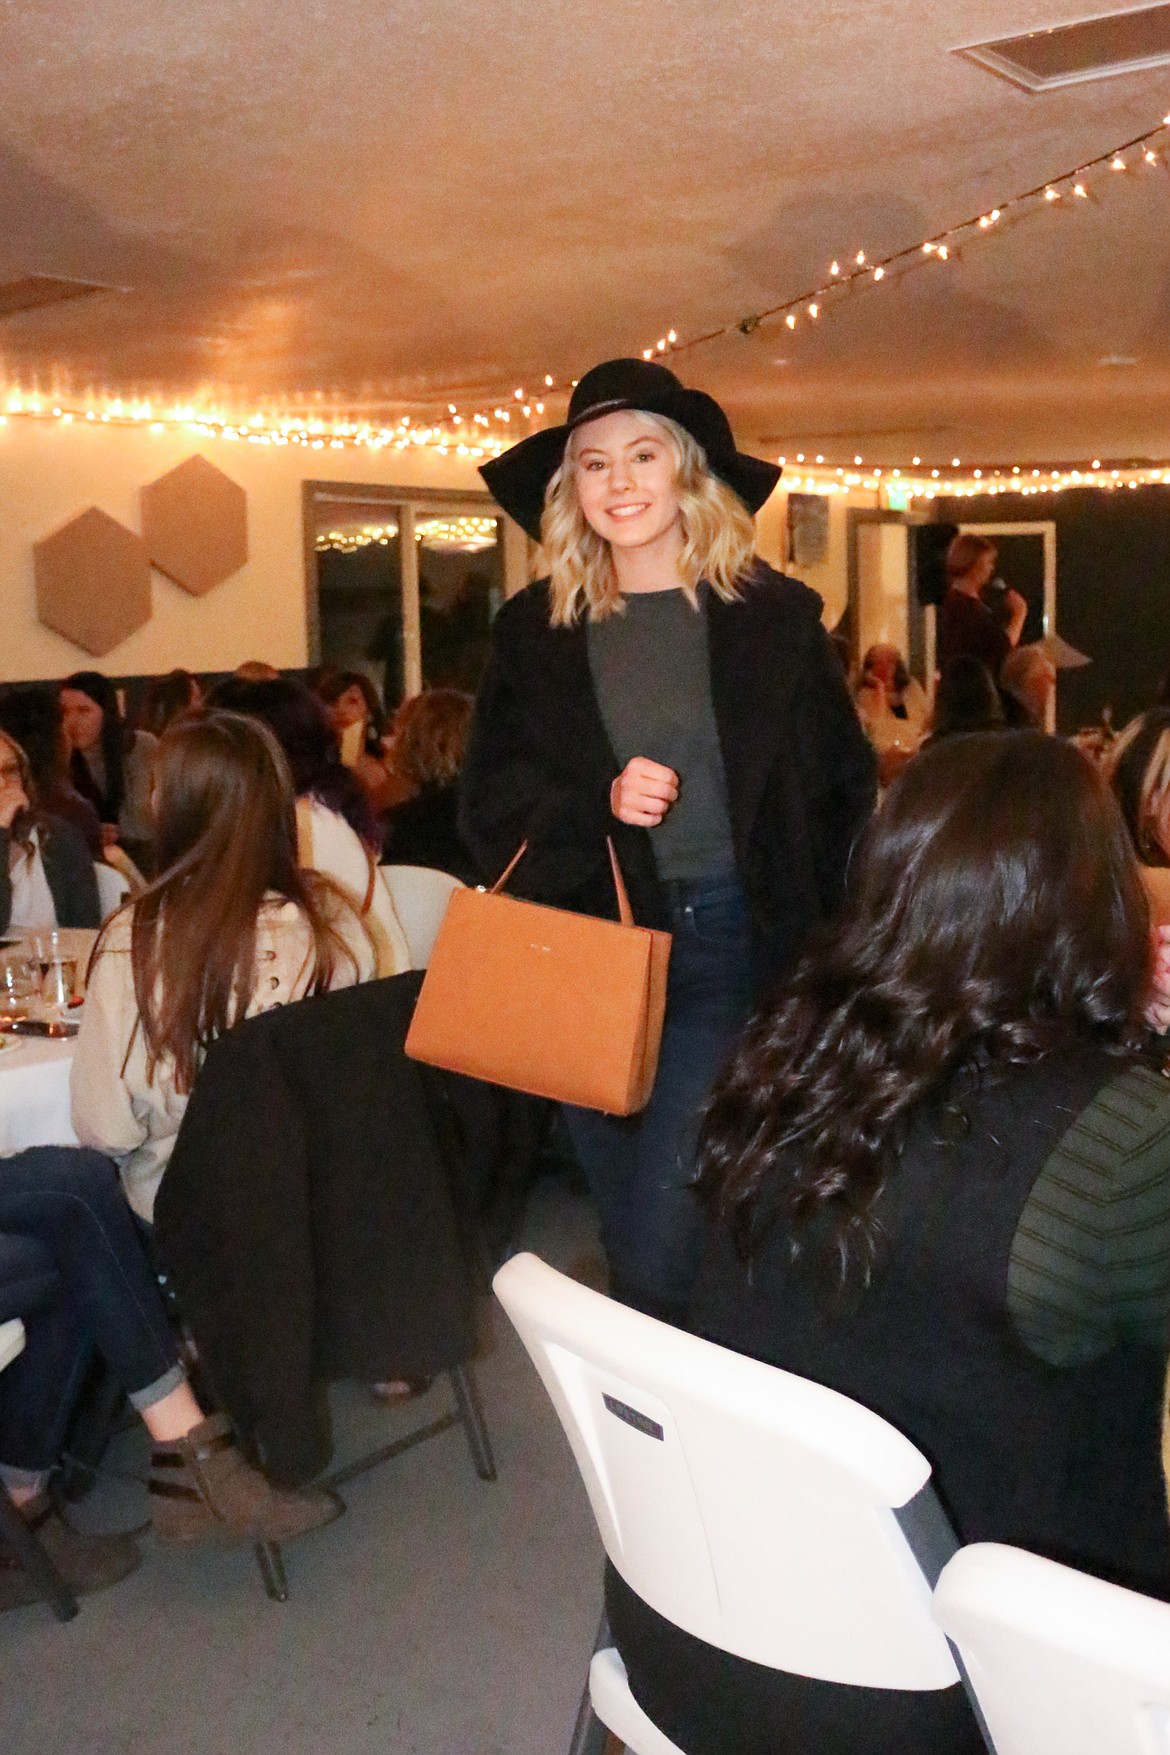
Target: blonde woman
[(665, 687)]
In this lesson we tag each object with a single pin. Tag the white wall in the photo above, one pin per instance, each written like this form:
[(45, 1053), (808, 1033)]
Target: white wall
[(50, 472)]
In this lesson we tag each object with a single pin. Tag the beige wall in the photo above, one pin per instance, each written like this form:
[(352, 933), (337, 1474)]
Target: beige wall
[(831, 577), (49, 472)]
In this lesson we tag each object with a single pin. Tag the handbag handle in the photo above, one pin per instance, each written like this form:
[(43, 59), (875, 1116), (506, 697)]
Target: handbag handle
[(625, 912)]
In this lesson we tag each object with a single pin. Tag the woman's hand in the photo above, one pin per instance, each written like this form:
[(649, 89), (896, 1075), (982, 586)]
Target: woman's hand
[(643, 793), (12, 801)]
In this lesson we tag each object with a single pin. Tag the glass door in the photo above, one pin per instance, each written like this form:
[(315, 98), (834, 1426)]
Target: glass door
[(404, 584)]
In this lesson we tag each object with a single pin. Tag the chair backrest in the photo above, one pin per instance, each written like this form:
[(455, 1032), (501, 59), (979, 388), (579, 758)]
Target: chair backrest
[(11, 1342), (420, 897), (113, 888), (767, 1515), (1060, 1663)]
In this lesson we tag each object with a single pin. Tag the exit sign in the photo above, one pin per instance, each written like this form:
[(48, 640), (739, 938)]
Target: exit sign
[(898, 498)]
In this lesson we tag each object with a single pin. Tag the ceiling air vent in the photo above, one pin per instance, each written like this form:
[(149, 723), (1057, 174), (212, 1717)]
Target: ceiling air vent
[(1069, 54), (34, 290)]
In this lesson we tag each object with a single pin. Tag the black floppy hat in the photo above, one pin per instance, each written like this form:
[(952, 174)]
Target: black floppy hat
[(518, 478)]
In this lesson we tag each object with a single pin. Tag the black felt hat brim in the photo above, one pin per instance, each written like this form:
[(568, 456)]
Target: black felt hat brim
[(519, 477)]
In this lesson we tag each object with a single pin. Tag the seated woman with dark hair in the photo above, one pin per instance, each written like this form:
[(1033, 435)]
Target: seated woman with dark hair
[(31, 714), (109, 764), (940, 1184), (232, 927), (359, 722), (46, 873), (337, 830), (167, 699), (430, 741)]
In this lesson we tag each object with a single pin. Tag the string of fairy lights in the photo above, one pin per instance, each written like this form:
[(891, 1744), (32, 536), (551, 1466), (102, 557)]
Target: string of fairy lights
[(461, 533), (486, 431)]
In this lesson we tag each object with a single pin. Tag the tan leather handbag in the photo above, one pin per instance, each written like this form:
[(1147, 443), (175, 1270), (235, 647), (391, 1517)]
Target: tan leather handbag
[(556, 1004)]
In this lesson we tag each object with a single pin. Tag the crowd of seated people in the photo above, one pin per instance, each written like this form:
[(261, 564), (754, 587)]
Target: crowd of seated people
[(937, 1015), (265, 849)]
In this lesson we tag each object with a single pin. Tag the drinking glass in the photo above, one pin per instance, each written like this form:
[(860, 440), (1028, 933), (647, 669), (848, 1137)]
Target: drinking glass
[(19, 983), (58, 983)]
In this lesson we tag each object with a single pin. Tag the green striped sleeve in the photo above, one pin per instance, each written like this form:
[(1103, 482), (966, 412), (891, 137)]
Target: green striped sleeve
[(1090, 1261)]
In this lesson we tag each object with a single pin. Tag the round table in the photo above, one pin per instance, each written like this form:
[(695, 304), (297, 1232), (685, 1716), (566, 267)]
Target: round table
[(34, 1094), (34, 1073)]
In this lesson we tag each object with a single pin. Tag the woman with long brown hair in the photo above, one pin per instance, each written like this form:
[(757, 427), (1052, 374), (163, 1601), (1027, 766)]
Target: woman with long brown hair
[(233, 926), (940, 1182)]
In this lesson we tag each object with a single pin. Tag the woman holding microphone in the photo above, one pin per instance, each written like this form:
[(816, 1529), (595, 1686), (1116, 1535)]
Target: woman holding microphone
[(666, 688)]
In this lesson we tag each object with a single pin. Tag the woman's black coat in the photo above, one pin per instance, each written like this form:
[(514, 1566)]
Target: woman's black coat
[(801, 775)]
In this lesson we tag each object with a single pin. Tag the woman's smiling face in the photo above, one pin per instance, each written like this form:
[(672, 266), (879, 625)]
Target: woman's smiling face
[(625, 470)]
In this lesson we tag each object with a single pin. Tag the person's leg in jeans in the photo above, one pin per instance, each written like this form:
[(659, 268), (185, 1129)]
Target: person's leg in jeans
[(640, 1167), (70, 1201)]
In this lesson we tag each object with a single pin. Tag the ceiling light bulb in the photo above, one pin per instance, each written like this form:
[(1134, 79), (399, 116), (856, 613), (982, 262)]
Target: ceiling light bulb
[(916, 460), (791, 320), (672, 336), (1050, 194), (814, 310), (519, 395), (834, 268), (647, 353), (879, 273), (943, 253), (860, 258), (820, 458), (1080, 190), (857, 460), (1151, 156), (548, 380), (662, 345), (1118, 163)]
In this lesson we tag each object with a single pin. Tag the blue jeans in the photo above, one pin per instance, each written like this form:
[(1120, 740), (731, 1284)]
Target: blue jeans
[(640, 1167), (70, 1203)]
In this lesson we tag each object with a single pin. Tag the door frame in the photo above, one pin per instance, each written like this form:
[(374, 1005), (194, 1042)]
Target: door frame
[(406, 503)]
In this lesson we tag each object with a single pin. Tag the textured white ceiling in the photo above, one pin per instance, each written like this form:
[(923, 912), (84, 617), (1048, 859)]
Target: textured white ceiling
[(366, 201)]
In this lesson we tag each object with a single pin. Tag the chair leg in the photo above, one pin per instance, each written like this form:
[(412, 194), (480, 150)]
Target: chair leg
[(17, 1535), (270, 1560), (590, 1736), (471, 1414)]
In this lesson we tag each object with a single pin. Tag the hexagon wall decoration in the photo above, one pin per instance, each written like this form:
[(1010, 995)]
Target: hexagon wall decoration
[(195, 522), (93, 581)]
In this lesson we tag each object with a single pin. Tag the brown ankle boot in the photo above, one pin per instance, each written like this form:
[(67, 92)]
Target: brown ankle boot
[(86, 1563), (204, 1490)]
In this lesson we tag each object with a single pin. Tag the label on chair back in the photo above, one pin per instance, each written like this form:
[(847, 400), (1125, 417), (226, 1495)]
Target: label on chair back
[(631, 1416)]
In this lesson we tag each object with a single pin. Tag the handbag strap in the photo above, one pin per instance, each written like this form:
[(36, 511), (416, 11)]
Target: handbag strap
[(625, 912)]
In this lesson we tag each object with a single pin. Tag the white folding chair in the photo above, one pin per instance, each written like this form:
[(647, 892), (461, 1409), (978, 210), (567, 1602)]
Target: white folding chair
[(764, 1514), (420, 897), (1060, 1663), (113, 888), (13, 1529)]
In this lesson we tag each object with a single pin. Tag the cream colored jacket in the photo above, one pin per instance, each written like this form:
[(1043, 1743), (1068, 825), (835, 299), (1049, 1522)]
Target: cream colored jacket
[(134, 1118)]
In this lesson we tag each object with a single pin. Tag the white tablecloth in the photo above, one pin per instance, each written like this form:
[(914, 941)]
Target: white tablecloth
[(34, 1094)]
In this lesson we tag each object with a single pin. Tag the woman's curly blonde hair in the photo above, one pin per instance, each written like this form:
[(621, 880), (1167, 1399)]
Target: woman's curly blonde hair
[(719, 534)]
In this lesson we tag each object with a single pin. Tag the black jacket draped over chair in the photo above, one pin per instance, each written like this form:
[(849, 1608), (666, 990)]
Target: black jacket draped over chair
[(801, 775), (306, 1218)]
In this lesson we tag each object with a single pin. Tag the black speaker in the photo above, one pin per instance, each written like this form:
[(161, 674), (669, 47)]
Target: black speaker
[(928, 548)]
